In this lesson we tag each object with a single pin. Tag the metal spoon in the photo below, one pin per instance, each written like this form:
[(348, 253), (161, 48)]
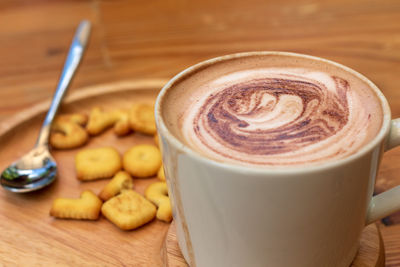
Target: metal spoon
[(37, 168)]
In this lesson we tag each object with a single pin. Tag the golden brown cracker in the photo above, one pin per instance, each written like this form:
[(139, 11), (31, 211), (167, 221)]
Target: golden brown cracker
[(78, 118), (121, 126), (87, 207), (99, 121), (67, 131), (158, 194), (121, 181), (97, 163), (128, 210), (141, 118), (142, 161)]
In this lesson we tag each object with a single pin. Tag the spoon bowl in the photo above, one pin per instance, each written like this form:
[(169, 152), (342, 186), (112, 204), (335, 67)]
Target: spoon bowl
[(33, 171)]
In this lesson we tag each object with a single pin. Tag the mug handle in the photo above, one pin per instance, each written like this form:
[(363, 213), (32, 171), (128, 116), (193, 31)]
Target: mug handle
[(387, 202)]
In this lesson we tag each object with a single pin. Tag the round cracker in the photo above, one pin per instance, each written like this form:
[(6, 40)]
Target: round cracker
[(142, 161)]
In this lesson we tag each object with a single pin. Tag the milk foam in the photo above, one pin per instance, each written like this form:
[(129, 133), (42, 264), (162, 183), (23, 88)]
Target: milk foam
[(272, 110), (279, 117)]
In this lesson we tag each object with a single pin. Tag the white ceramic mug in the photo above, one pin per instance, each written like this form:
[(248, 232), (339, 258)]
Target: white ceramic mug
[(231, 215)]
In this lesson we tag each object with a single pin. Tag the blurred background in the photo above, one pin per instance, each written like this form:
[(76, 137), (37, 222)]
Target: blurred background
[(159, 38)]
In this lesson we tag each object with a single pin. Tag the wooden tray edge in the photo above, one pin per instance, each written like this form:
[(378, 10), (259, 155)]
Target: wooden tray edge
[(82, 93)]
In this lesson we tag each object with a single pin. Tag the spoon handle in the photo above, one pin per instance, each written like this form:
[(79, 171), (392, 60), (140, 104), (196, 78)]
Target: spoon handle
[(71, 64)]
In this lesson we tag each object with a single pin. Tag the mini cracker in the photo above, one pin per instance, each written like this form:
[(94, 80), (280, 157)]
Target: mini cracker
[(158, 194), (128, 210), (142, 161), (99, 121), (96, 163), (161, 174), (77, 118), (87, 207), (141, 118), (121, 126), (67, 131), (121, 181)]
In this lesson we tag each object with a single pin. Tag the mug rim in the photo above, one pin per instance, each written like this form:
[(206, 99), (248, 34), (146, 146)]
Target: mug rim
[(284, 169)]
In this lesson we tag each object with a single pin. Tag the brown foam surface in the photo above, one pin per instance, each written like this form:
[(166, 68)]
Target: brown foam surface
[(273, 111)]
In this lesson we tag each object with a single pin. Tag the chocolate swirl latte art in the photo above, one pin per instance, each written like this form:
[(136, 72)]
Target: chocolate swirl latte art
[(277, 117)]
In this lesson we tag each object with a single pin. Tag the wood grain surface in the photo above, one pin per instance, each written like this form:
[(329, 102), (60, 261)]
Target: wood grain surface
[(29, 236), (157, 39), (370, 253)]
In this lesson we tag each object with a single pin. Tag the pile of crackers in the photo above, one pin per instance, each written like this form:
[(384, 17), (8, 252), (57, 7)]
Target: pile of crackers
[(117, 201)]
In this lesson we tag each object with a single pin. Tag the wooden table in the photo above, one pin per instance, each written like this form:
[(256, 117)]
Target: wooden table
[(157, 39)]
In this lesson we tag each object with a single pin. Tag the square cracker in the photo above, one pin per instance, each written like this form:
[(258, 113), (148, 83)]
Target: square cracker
[(129, 210)]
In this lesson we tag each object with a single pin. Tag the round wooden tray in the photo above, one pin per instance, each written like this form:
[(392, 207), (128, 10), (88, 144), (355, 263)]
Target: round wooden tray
[(370, 254), (30, 236)]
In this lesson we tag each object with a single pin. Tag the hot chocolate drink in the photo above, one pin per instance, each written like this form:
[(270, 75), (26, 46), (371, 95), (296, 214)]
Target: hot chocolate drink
[(273, 111)]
